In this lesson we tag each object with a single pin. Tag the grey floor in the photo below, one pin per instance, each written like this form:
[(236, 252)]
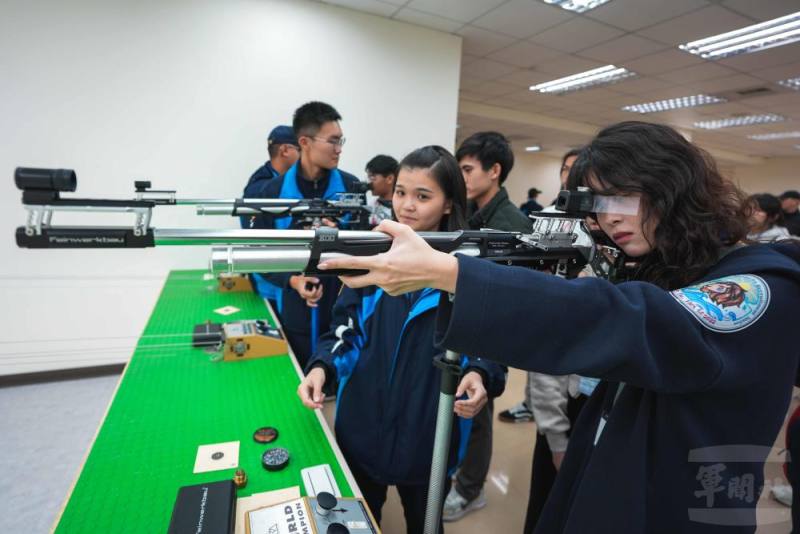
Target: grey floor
[(45, 431)]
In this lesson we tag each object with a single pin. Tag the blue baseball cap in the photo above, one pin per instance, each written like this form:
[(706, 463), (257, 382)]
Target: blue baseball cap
[(282, 135)]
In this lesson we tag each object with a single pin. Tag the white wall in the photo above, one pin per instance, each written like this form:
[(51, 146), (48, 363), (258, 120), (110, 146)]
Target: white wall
[(775, 176), (533, 170), (182, 93)]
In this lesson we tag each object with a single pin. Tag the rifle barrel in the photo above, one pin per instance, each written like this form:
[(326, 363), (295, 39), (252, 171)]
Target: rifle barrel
[(181, 236)]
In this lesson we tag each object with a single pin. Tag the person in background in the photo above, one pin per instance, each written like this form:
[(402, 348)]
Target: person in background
[(531, 205), (382, 174), (485, 159), (521, 412), (283, 152), (766, 219), (378, 357), (790, 203), (304, 303)]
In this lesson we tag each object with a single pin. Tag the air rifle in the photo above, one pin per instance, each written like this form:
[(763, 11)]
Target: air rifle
[(559, 241)]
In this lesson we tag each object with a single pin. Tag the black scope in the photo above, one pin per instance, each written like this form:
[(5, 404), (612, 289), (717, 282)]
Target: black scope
[(28, 178), (362, 187), (575, 202)]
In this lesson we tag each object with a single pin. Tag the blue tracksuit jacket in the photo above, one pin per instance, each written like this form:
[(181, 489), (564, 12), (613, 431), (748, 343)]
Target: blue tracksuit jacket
[(295, 315), (379, 355), (696, 385)]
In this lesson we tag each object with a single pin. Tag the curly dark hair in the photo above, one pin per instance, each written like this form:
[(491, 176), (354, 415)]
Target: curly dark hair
[(698, 211)]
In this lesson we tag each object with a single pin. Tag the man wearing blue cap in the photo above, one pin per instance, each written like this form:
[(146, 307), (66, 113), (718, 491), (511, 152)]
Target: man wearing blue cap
[(283, 153)]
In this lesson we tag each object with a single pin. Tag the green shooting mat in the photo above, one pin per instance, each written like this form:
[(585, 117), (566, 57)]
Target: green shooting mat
[(173, 398)]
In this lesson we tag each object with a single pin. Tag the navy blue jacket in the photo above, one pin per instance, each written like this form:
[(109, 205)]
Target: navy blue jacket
[(295, 315), (259, 179), (379, 355), (706, 374)]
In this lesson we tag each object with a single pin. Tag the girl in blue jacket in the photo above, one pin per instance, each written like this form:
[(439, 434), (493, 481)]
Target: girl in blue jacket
[(379, 353), (696, 351)]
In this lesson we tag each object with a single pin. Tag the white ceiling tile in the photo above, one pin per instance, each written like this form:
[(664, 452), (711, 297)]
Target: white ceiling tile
[(524, 54), (728, 109), (466, 59), (524, 78), (576, 34), (660, 62), (467, 82), (596, 96), (532, 107), (461, 10), (626, 100), (640, 86), (763, 9), (567, 65), (426, 19), (684, 118), (705, 22), (472, 97), (525, 96), (479, 42), (776, 101), (622, 49), (486, 69), (771, 57), (494, 89), (704, 71), (522, 18), (632, 15), (375, 7), (725, 84), (783, 72)]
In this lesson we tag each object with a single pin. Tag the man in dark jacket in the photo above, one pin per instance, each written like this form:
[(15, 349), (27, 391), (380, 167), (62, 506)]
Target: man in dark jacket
[(531, 205), (790, 203), (283, 153), (485, 159)]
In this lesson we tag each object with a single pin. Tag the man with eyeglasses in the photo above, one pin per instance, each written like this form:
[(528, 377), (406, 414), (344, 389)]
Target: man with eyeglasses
[(305, 303)]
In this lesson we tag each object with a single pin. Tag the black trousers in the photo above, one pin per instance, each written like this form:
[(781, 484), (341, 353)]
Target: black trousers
[(544, 472), (414, 499), (472, 473), (301, 346)]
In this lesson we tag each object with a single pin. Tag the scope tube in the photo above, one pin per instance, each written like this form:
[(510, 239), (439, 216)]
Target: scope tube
[(27, 178)]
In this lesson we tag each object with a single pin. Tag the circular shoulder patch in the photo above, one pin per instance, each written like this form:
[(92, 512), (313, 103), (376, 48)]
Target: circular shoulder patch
[(726, 304)]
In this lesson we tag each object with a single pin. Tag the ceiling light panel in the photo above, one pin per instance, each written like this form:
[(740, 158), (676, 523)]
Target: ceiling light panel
[(776, 32), (583, 80), (791, 83), (774, 136), (674, 103), (576, 6), (533, 148), (743, 120)]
